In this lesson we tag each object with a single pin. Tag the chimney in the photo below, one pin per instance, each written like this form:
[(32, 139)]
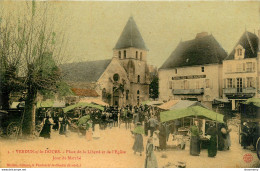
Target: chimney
[(202, 34)]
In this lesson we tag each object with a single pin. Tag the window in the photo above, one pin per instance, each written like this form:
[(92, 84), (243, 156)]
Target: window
[(125, 54), (197, 84), (202, 69), (136, 55), (239, 52), (249, 67), (239, 67), (250, 82), (116, 77), (138, 92), (186, 84), (207, 83), (176, 71), (141, 56), (119, 54), (229, 83), (127, 94), (229, 68), (138, 78), (239, 85)]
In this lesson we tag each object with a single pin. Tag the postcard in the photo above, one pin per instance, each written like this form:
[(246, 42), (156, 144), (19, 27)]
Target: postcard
[(129, 84)]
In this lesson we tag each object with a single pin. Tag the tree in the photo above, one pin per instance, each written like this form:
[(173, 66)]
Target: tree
[(41, 49), (10, 57), (154, 87)]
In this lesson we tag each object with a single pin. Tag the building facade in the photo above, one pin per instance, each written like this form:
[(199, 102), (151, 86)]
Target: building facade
[(123, 80), (241, 71), (193, 71)]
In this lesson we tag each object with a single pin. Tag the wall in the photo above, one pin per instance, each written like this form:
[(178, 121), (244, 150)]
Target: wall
[(211, 72)]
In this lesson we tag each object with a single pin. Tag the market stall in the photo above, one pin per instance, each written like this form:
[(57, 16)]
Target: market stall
[(180, 121)]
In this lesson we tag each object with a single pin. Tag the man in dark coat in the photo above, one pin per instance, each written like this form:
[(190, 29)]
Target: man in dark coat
[(245, 135), (212, 147), (162, 136)]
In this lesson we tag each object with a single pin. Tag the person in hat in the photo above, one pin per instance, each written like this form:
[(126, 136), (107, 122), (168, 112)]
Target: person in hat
[(212, 147), (150, 159), (245, 135), (138, 144)]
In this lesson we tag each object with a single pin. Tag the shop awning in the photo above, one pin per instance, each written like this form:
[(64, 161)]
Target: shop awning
[(254, 101), (45, 104), (82, 105), (191, 111)]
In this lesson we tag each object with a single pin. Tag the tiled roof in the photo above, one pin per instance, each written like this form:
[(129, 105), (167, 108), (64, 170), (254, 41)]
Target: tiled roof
[(84, 71), (130, 37), (249, 41), (199, 51), (85, 92)]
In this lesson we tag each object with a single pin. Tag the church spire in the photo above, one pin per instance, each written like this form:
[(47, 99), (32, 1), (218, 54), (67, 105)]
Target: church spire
[(130, 37)]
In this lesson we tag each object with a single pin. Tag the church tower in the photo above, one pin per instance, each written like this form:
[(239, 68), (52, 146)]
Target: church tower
[(131, 52)]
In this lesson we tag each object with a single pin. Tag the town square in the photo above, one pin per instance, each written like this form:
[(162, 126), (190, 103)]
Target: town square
[(133, 84)]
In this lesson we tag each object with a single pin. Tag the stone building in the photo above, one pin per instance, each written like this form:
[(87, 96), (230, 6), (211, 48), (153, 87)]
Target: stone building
[(241, 70), (119, 81), (193, 71)]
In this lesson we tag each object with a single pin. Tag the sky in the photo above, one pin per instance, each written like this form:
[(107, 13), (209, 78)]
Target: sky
[(92, 28)]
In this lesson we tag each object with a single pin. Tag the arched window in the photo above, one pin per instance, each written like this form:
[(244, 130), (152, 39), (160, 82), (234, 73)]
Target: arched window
[(127, 94), (119, 54), (136, 54), (141, 56), (138, 92), (116, 77), (125, 54), (138, 78)]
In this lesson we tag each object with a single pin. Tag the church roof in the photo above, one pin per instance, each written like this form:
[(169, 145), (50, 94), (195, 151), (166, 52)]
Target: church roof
[(85, 92), (130, 37), (89, 71), (199, 51), (249, 41)]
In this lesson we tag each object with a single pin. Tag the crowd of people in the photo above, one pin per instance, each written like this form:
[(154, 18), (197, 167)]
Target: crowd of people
[(143, 121)]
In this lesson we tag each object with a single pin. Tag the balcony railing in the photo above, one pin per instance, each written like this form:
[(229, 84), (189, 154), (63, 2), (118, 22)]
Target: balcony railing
[(187, 91), (248, 90)]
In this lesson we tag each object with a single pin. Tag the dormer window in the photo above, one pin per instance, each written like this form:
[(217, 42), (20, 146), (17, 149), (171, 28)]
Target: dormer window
[(125, 54), (239, 52)]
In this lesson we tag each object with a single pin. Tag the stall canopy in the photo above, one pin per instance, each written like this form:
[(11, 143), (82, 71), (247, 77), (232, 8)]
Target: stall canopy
[(46, 104), (179, 104), (153, 103), (94, 101), (190, 111), (82, 105), (168, 105), (254, 101), (59, 104)]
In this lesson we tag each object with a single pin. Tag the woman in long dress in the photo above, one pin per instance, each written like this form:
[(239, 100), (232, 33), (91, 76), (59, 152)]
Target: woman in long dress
[(150, 160), (156, 142), (212, 148), (195, 141), (46, 130), (89, 130), (138, 144)]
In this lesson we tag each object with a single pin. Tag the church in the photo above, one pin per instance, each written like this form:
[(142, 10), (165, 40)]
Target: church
[(120, 81)]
